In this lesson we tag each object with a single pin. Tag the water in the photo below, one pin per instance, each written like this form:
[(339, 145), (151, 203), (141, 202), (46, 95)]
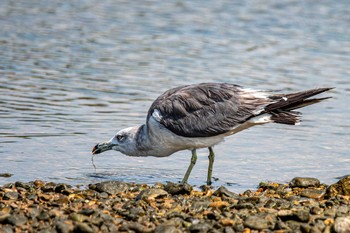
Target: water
[(72, 73)]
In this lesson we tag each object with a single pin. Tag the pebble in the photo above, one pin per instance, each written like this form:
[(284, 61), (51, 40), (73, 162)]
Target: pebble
[(178, 189), (6, 175), (342, 187), (166, 228), (312, 193), (342, 225), (11, 196), (151, 194), (224, 192), (83, 228), (115, 206), (257, 223), (304, 182), (110, 187)]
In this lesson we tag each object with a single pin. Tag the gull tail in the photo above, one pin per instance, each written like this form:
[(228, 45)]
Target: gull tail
[(282, 109)]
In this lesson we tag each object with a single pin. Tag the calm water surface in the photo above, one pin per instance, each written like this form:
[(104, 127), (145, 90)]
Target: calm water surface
[(72, 73)]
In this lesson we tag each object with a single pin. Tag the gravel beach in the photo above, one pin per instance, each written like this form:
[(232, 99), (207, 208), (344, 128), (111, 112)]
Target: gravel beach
[(302, 205)]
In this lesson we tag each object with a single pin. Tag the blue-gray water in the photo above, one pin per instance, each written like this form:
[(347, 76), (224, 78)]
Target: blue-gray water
[(72, 73)]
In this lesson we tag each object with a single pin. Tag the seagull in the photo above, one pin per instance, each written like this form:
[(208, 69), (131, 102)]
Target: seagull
[(201, 115)]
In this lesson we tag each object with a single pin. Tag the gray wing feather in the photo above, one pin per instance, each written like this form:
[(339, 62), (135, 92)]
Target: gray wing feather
[(203, 110)]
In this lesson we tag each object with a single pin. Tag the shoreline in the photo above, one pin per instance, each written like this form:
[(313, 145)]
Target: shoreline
[(302, 205)]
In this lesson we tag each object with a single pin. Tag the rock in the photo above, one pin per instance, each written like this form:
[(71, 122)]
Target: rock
[(38, 183), (138, 227), (83, 228), (110, 187), (77, 217), (316, 210), (4, 217), (63, 227), (330, 212), (257, 222), (87, 211), (297, 215), (11, 196), (22, 185), (6, 175), (304, 182), (224, 192), (302, 215), (342, 211), (178, 189), (229, 230), (294, 225), (49, 187), (150, 194), (166, 228), (16, 219), (312, 193), (6, 229), (342, 187), (62, 188), (200, 227), (43, 215), (244, 206), (268, 185), (342, 225), (199, 206)]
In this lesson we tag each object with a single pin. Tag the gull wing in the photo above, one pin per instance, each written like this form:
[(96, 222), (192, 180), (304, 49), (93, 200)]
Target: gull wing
[(206, 109)]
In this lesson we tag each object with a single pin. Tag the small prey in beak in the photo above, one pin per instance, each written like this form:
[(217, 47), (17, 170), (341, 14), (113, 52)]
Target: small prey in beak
[(102, 147), (99, 148)]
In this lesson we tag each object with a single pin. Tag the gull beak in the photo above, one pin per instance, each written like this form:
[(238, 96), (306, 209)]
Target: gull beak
[(102, 147)]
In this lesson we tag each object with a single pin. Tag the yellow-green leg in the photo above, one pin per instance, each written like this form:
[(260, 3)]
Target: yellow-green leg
[(211, 162), (189, 169)]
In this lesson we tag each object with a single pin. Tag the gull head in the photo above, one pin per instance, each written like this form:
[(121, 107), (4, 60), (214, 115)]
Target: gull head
[(124, 141)]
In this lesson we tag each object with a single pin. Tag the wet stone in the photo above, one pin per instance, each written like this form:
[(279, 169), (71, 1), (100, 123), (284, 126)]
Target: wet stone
[(302, 215), (342, 225), (199, 206), (178, 189), (224, 192), (49, 187), (342, 187), (77, 217), (244, 206), (16, 219), (312, 193), (87, 211), (229, 230), (342, 211), (6, 229), (43, 215), (304, 182), (316, 210), (330, 212), (200, 227), (110, 187), (4, 217), (6, 175), (103, 195), (166, 228), (257, 222), (83, 228), (22, 185), (11, 196), (151, 194), (62, 188)]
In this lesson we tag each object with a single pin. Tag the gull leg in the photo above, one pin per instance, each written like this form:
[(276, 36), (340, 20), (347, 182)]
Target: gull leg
[(211, 162), (189, 169)]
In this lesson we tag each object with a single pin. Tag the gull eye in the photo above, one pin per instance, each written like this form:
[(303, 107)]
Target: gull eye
[(120, 137)]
